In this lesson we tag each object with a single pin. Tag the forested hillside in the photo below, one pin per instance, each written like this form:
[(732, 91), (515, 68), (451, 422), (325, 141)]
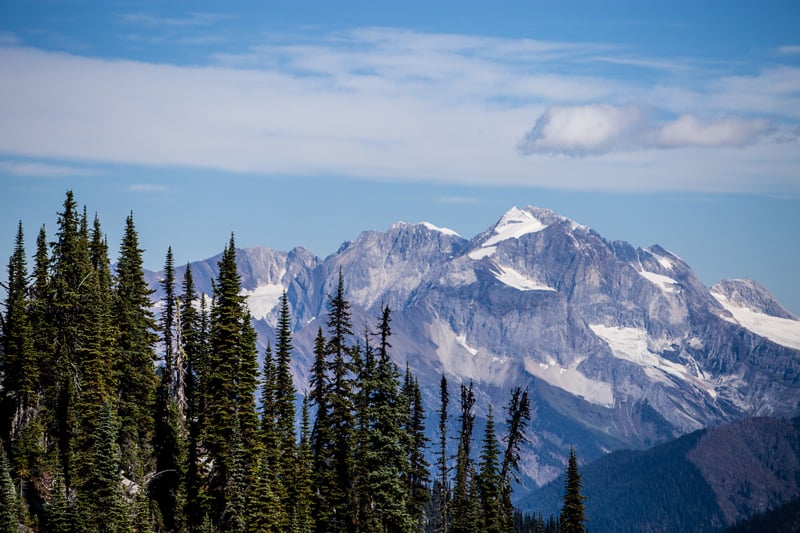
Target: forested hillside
[(115, 418)]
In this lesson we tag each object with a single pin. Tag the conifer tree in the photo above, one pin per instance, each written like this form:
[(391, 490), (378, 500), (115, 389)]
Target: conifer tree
[(192, 344), (301, 519), (66, 314), (168, 435), (572, 512), (417, 477), (518, 416), (9, 503), (463, 494), (490, 481), (441, 494), (20, 366), (101, 494), (231, 383), (59, 514), (135, 358)]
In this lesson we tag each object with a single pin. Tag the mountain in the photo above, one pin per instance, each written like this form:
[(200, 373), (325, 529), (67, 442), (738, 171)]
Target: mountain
[(703, 481), (620, 347)]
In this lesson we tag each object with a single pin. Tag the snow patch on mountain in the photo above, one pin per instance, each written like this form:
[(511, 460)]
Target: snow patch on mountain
[(572, 380), (446, 231), (518, 281), (632, 344), (464, 361), (783, 331), (263, 299), (665, 283), (513, 225)]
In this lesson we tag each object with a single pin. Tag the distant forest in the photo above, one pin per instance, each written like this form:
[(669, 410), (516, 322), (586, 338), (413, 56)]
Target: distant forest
[(115, 419)]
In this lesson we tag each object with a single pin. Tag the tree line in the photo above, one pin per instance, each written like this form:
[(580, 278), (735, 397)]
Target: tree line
[(113, 419)]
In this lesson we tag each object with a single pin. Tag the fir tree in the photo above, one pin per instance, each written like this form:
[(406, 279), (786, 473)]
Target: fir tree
[(20, 365), (572, 512), (518, 416), (9, 503), (463, 504), (301, 519), (417, 477), (231, 383), (135, 357), (441, 486), (168, 435), (490, 481)]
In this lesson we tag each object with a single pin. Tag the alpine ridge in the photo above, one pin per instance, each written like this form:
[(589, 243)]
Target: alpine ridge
[(620, 347)]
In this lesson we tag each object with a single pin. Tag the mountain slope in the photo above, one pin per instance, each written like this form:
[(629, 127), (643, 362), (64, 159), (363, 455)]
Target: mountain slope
[(703, 481), (620, 347)]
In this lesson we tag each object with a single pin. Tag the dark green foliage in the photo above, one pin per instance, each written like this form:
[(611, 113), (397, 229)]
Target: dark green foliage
[(135, 356), (572, 513), (165, 486), (519, 415), (301, 519), (19, 362), (230, 401), (490, 482), (101, 494), (783, 519), (464, 503), (417, 477), (9, 503), (441, 490)]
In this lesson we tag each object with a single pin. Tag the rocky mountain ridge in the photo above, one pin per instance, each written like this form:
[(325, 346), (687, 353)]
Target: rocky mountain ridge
[(621, 347)]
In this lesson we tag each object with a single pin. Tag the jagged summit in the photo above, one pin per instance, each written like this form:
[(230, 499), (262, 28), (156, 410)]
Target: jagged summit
[(619, 346)]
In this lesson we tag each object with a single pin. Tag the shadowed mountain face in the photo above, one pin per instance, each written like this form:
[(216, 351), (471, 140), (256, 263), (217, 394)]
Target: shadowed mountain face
[(703, 481), (620, 347)]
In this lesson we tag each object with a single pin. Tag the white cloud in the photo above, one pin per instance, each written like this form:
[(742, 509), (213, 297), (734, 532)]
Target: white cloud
[(602, 128), (42, 170), (789, 49), (389, 104), (149, 187), (8, 38)]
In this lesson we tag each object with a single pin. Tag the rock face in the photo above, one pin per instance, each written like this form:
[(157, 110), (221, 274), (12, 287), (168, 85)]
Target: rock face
[(619, 346)]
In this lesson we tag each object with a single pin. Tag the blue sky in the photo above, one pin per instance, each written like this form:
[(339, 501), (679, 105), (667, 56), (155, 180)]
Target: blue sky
[(302, 123)]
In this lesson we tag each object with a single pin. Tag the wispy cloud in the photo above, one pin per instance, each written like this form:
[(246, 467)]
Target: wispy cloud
[(598, 129), (392, 104), (459, 200), (149, 188), (789, 49), (192, 19), (8, 38), (42, 170)]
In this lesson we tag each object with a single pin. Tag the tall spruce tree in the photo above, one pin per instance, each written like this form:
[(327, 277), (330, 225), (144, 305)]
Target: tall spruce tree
[(490, 482), (301, 519), (168, 439), (518, 416), (572, 512), (285, 415), (9, 503), (417, 476), (20, 366), (463, 504), (135, 358), (230, 402), (441, 495), (68, 320)]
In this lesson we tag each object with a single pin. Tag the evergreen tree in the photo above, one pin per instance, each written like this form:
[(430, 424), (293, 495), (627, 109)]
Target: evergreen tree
[(60, 516), (231, 383), (490, 481), (417, 477), (135, 358), (301, 519), (441, 494), (168, 435), (101, 495), (192, 344), (572, 512), (340, 418), (67, 317), (9, 503), (519, 414), (19, 364), (463, 494), (387, 453)]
